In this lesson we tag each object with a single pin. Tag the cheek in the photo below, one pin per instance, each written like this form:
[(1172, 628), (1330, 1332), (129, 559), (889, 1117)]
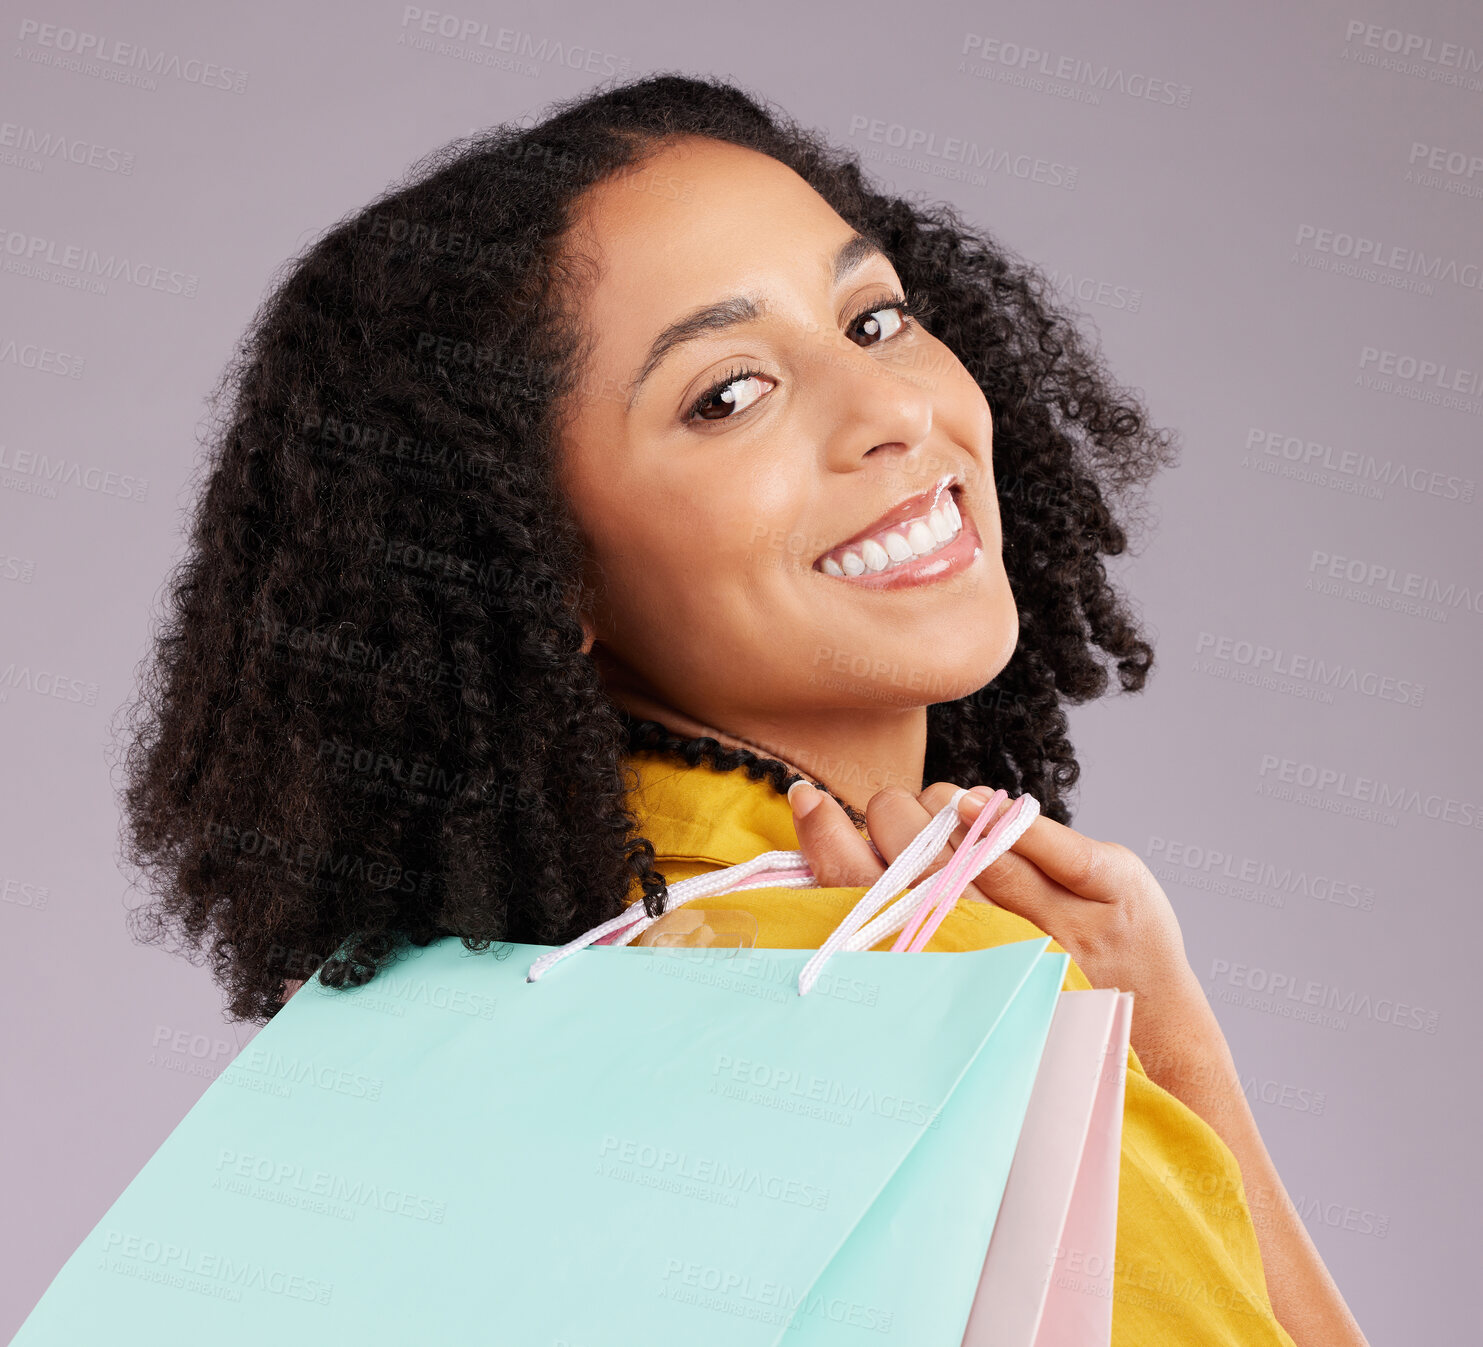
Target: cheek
[(726, 517), (694, 556), (661, 572)]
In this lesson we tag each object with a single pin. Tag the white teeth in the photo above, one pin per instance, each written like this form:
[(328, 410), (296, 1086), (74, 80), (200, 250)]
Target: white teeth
[(898, 548), (921, 538)]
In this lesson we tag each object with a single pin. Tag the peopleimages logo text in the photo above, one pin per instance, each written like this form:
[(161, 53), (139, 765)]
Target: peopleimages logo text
[(1275, 986), (1371, 790)]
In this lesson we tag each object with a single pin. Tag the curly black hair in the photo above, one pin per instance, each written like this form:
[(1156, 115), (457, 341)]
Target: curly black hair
[(368, 721)]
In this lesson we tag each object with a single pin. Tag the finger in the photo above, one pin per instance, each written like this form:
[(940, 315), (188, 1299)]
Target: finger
[(1077, 863), (1019, 885), (895, 816), (939, 796), (833, 847)]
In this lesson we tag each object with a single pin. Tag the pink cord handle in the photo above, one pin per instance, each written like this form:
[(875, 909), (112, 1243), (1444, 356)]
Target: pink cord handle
[(943, 896), (951, 880), (1012, 813)]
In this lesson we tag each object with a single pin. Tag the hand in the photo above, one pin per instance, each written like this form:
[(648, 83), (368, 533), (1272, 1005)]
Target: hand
[(1103, 906), (1097, 900)]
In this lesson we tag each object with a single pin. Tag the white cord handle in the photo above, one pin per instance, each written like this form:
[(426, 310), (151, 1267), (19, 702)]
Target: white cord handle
[(899, 913), (730, 879), (898, 875), (857, 931)]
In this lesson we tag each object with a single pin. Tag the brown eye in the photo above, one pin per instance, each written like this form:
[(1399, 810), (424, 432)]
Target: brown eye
[(734, 394), (880, 323)]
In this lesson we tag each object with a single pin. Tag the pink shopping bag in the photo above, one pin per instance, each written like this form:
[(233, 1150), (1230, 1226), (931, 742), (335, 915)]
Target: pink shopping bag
[(1047, 1278)]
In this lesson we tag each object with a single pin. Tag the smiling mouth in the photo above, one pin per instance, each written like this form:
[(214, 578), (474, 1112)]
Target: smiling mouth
[(917, 528)]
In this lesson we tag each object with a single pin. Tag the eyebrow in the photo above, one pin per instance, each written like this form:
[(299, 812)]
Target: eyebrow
[(725, 313)]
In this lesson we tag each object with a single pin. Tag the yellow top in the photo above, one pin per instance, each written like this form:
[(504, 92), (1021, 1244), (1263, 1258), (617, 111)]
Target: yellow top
[(1188, 1267)]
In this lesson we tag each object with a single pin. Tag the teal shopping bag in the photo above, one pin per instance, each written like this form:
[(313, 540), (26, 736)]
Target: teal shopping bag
[(647, 1146)]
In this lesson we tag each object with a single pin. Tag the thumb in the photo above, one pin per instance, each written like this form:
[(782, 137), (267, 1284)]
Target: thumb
[(836, 853)]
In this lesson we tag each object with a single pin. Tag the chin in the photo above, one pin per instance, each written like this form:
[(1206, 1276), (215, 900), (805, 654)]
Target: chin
[(886, 679)]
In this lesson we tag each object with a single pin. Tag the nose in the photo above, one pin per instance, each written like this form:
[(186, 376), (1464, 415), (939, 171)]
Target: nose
[(868, 406)]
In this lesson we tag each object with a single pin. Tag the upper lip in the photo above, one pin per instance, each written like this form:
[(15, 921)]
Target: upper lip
[(913, 507)]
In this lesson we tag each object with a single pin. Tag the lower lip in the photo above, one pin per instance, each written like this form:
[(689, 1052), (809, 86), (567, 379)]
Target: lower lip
[(953, 559)]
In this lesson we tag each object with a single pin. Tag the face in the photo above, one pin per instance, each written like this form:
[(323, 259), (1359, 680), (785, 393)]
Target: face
[(788, 500)]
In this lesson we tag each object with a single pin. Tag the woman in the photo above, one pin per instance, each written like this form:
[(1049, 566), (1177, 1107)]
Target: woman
[(624, 496)]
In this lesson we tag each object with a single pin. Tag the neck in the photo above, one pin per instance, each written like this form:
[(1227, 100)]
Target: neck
[(853, 752)]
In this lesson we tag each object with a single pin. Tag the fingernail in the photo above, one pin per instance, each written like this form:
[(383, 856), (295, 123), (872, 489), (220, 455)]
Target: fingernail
[(803, 798), (980, 795)]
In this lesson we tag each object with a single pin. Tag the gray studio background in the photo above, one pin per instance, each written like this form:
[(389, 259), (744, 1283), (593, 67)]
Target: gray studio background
[(1273, 216)]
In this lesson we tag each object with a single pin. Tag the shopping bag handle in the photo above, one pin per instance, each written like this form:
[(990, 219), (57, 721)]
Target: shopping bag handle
[(945, 878), (927, 918), (990, 849), (772, 869), (790, 869), (857, 931)]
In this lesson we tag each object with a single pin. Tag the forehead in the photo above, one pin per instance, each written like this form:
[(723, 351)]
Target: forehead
[(698, 221)]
